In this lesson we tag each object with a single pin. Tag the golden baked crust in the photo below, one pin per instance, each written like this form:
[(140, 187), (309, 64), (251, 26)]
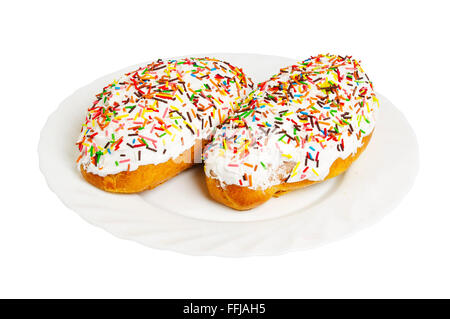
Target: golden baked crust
[(234, 196), (244, 198), (146, 176)]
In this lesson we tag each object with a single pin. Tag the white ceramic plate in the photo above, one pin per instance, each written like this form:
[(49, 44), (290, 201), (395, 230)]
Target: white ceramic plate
[(180, 216)]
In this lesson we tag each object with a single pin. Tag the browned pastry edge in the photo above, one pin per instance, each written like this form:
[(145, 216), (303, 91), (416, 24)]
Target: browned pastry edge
[(244, 198), (144, 177)]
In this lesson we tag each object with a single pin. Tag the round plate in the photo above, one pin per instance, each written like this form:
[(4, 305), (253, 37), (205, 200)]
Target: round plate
[(180, 216)]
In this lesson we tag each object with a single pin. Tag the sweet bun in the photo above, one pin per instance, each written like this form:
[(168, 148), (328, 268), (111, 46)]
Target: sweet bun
[(150, 124), (306, 124)]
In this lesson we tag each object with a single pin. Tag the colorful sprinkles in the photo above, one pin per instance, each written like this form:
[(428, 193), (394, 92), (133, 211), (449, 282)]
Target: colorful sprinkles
[(156, 112), (295, 125)]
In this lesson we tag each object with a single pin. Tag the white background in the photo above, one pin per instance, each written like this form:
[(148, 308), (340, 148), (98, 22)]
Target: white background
[(51, 48)]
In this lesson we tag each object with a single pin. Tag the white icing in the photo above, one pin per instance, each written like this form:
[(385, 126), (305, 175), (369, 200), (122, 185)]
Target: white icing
[(167, 104), (277, 129)]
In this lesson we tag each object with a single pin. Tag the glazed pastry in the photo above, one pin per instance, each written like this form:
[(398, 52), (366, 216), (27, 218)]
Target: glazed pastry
[(149, 125), (306, 124)]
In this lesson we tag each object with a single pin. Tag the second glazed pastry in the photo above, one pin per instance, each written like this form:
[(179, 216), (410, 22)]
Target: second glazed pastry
[(306, 124)]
